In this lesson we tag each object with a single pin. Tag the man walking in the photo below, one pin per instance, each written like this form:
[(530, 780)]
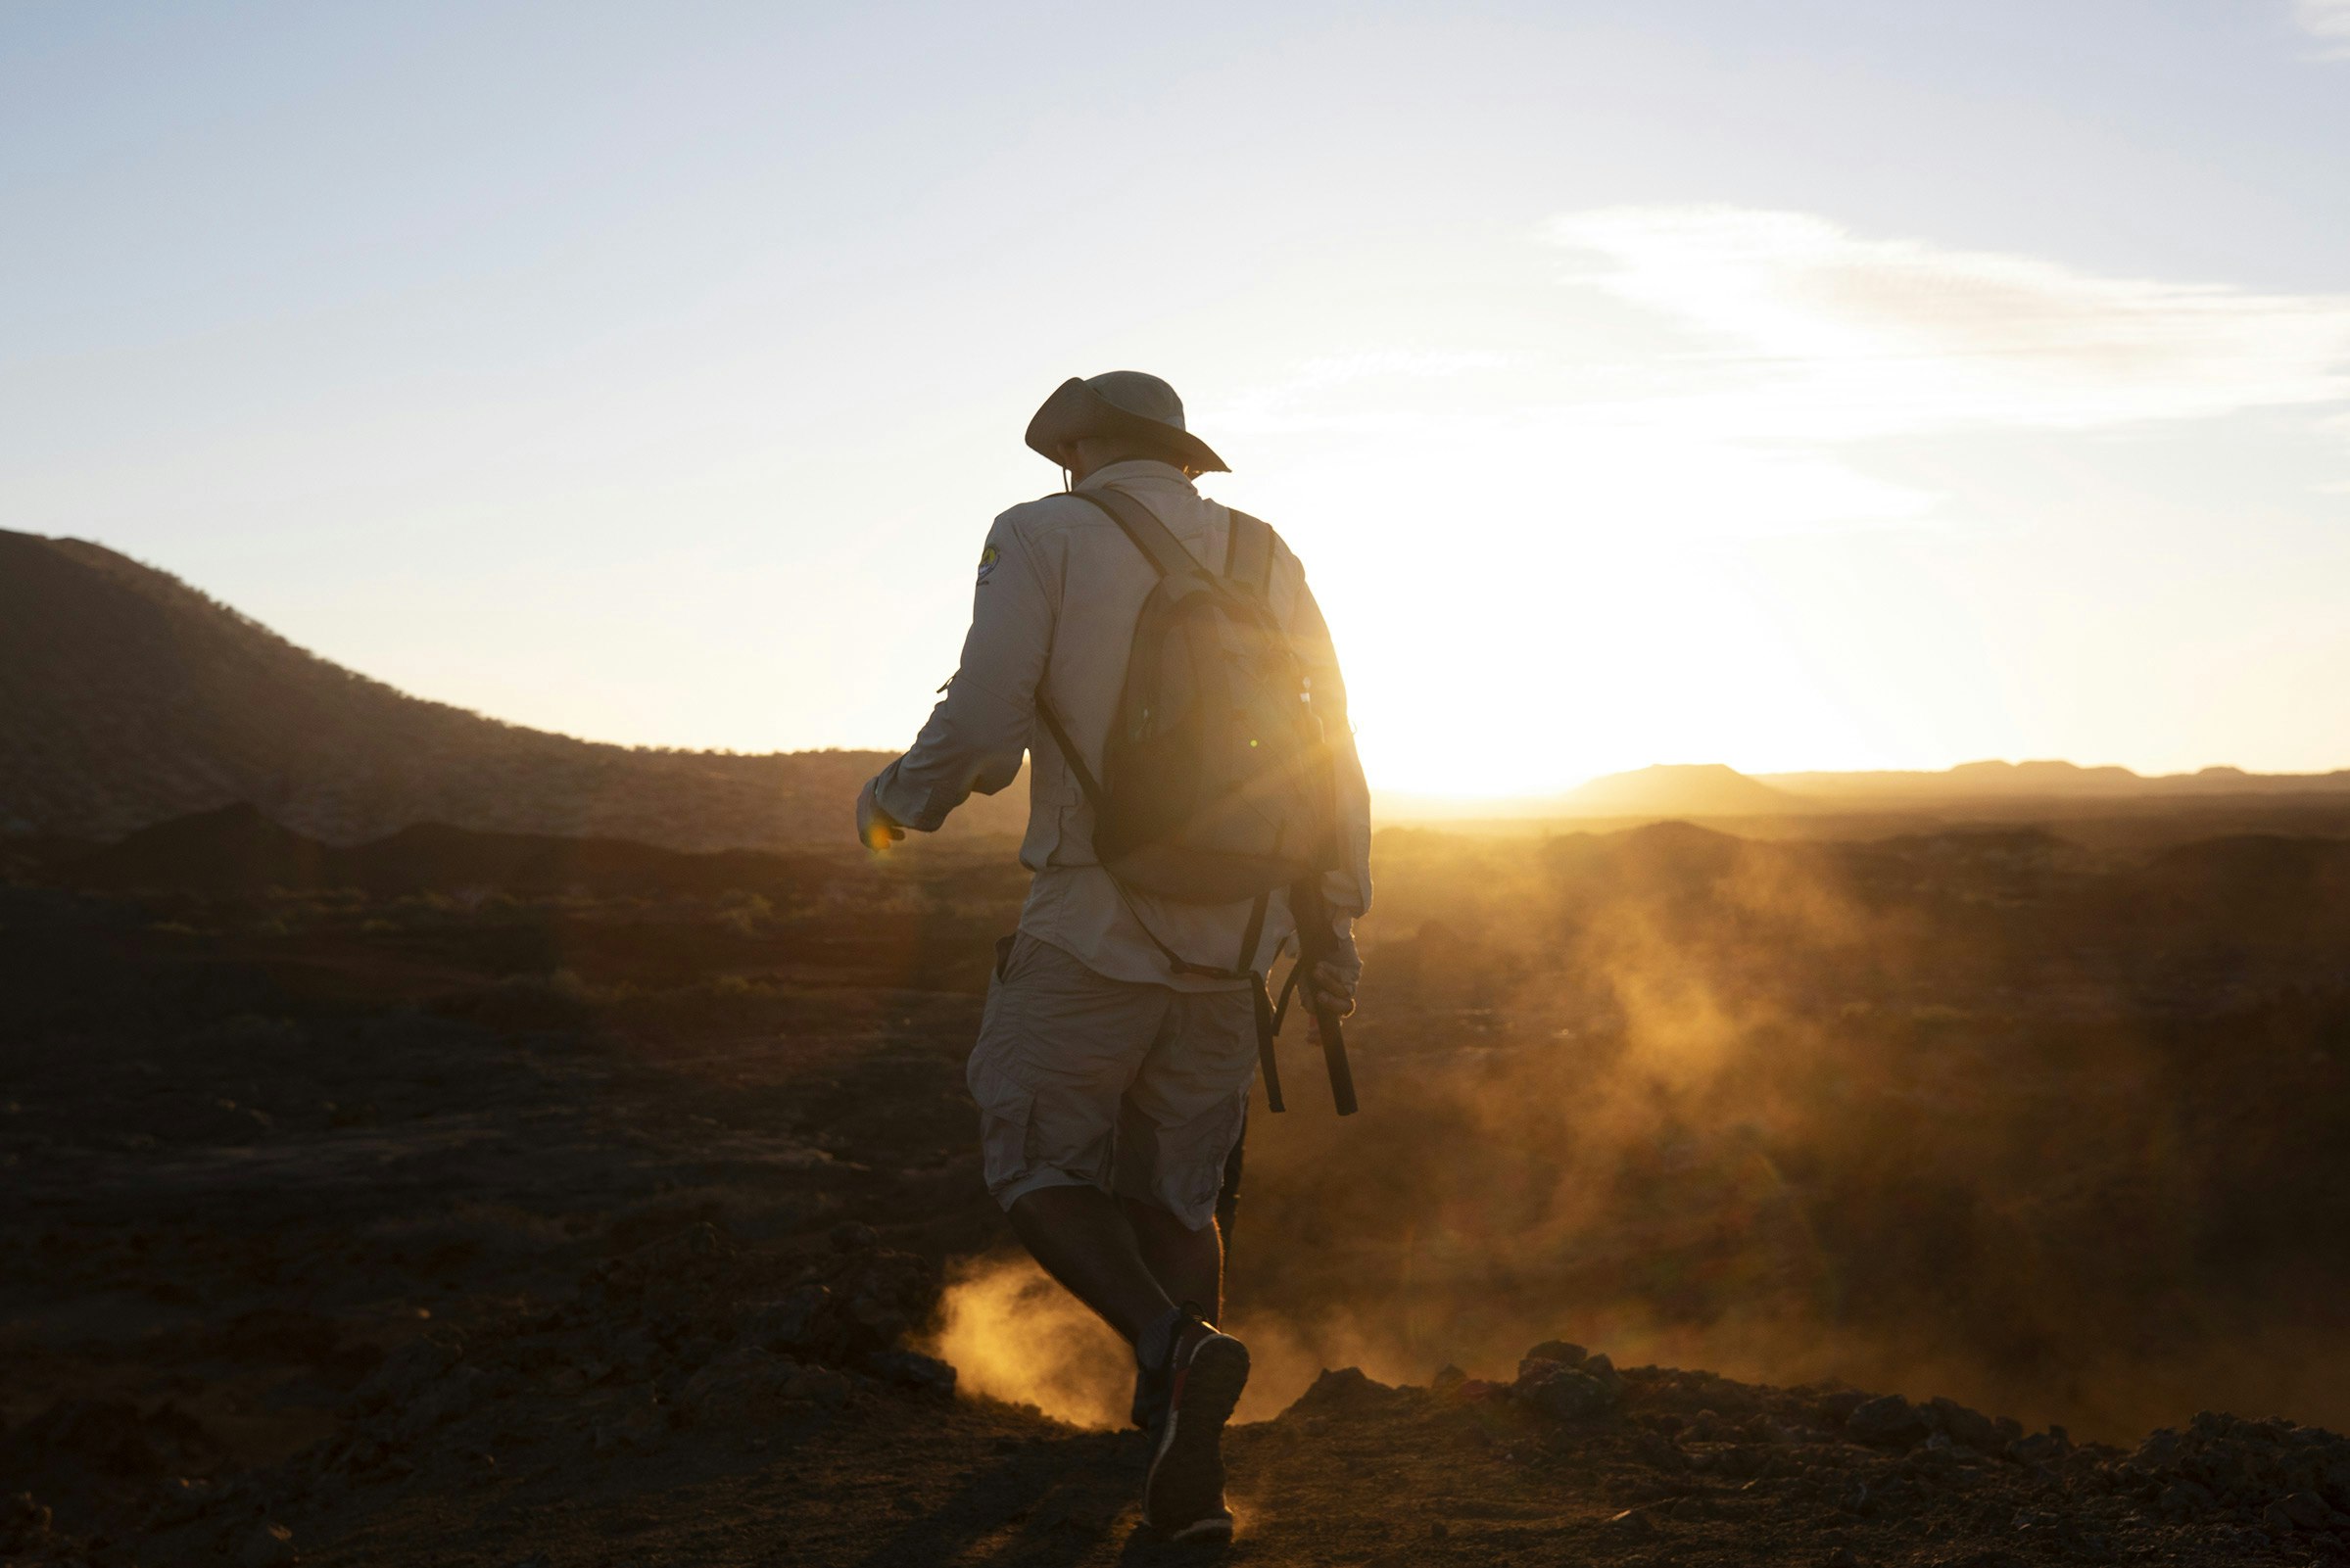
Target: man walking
[(1124, 1025)]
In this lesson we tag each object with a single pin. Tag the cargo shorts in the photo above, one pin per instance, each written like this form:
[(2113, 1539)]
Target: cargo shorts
[(1085, 1081)]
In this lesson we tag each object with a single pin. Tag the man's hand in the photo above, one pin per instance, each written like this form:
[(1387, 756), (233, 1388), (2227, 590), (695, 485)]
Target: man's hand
[(1336, 976), (877, 829), (1335, 987)]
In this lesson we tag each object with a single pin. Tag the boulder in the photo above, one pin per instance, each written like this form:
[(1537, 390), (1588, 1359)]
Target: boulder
[(800, 1321), (911, 1369), (1970, 1428), (1562, 1392), (750, 1384), (1341, 1389), (854, 1236), (1887, 1421)]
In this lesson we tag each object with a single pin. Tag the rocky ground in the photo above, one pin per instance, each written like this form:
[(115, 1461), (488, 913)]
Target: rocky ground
[(373, 1236), (599, 1310)]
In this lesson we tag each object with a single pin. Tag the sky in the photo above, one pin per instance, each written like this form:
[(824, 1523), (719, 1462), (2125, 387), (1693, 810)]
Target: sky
[(1803, 385)]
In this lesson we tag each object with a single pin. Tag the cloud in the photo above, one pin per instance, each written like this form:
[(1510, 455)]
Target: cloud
[(1802, 331), (1760, 350), (2328, 20)]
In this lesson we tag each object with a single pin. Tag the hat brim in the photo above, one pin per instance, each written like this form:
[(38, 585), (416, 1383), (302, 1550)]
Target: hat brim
[(1075, 412)]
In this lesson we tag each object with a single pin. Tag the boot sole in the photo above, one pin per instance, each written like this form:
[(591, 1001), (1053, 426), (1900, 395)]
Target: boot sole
[(1183, 1495)]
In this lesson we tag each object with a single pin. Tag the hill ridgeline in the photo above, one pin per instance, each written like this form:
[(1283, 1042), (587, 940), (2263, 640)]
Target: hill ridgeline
[(129, 698)]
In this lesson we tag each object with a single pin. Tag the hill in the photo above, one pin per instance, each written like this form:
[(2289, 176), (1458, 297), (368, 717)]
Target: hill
[(2260, 802), (1705, 789), (2045, 781), (129, 699), (236, 849)]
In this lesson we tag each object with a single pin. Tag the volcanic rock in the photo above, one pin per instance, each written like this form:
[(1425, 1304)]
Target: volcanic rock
[(1887, 1421), (1563, 1393), (749, 1384), (798, 1322), (1972, 1428), (912, 1370), (1343, 1389), (2301, 1474)]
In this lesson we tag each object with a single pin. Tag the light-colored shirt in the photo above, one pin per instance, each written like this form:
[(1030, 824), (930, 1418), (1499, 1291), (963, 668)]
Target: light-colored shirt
[(1060, 588)]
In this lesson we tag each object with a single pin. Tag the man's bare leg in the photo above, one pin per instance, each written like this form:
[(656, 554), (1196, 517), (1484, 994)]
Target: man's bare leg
[(1131, 1265), (1130, 1261), (1187, 1263), (1079, 1236)]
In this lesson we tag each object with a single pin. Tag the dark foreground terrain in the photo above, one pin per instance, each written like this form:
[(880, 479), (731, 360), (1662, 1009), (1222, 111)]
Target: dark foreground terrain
[(607, 1209)]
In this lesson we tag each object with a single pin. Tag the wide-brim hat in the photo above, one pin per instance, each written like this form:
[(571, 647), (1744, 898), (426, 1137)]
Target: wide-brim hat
[(1120, 403)]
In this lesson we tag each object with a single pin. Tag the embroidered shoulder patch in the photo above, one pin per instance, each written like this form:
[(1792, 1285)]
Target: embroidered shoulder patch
[(988, 559)]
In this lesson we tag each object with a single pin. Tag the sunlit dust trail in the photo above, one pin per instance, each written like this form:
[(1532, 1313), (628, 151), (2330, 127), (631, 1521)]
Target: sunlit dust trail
[(1012, 1334)]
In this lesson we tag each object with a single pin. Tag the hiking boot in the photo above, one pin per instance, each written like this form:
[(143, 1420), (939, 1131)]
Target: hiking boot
[(1183, 1497), (1154, 1365), (1150, 1396)]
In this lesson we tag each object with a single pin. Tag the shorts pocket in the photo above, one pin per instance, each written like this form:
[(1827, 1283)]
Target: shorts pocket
[(1007, 1114), (1187, 1163)]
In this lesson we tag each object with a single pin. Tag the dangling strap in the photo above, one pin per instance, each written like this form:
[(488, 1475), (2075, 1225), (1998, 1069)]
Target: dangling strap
[(1280, 1010), (1246, 963), (1267, 1062)]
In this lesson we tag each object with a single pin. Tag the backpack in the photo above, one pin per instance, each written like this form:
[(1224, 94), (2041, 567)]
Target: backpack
[(1216, 782)]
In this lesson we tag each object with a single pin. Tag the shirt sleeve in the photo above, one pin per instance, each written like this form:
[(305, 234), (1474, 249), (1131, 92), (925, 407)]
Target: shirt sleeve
[(979, 730), (1346, 889)]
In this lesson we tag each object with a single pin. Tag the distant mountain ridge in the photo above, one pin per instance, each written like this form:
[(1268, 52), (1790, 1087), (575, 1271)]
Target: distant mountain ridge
[(238, 849), (129, 699), (1712, 789), (2050, 779), (1683, 790)]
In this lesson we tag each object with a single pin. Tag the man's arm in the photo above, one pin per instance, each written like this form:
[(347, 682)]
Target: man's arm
[(1346, 889), (979, 730)]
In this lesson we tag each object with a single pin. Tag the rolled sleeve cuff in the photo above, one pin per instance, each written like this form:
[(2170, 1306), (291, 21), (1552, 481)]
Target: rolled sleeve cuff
[(908, 805)]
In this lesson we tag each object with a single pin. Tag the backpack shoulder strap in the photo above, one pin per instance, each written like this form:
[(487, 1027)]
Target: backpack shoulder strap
[(1248, 552), (1140, 523)]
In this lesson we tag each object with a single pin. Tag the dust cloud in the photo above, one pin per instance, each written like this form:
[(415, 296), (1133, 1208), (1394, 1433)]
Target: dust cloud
[(1013, 1335), (1979, 1113)]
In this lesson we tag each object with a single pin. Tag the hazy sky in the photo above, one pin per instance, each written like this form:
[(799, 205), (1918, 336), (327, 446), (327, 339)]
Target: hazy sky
[(1792, 384)]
